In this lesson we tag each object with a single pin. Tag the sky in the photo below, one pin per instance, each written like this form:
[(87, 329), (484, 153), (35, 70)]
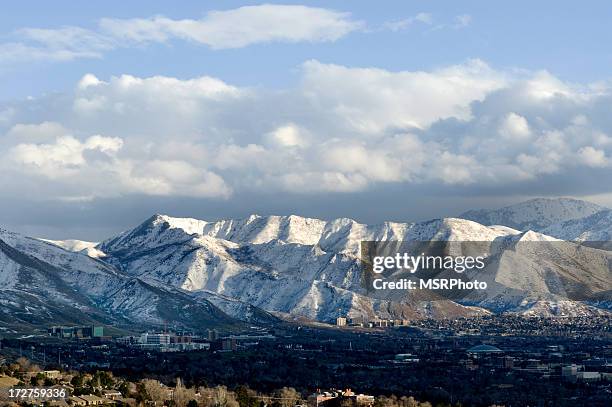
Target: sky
[(404, 111)]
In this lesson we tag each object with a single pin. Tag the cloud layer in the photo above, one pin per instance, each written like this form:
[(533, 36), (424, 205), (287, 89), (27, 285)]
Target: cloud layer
[(341, 129), (218, 29), (234, 28)]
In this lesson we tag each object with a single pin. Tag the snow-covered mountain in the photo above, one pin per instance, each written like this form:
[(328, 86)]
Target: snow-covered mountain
[(310, 267), (42, 284), (593, 228), (88, 248), (197, 273), (292, 265), (535, 214), (532, 273)]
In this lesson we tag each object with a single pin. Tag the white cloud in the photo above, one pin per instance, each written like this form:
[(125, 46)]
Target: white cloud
[(240, 27), (64, 157), (234, 28), (342, 129), (34, 133), (592, 157), (372, 99), (180, 178), (515, 126), (398, 25), (76, 39), (288, 135)]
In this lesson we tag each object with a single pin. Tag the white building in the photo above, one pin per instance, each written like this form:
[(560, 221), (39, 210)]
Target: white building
[(154, 339)]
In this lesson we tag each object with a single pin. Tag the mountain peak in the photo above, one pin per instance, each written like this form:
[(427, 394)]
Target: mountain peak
[(188, 225)]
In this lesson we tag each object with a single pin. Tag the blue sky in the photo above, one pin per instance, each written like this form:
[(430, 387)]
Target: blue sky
[(569, 40), (111, 111)]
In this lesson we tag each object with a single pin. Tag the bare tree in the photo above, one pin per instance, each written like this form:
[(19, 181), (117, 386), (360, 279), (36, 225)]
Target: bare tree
[(182, 395), (24, 364), (155, 390), (288, 396), (220, 397)]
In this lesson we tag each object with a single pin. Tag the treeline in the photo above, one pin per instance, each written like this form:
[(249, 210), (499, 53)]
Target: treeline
[(176, 394)]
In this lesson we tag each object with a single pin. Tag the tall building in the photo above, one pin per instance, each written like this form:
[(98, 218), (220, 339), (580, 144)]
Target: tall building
[(213, 335), (229, 344)]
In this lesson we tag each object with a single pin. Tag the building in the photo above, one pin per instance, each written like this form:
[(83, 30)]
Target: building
[(111, 394), (569, 372), (163, 342), (506, 362), (335, 397), (341, 321), (181, 339), (405, 358), (77, 401), (68, 332), (483, 350), (589, 376), (52, 374), (126, 340), (229, 344), (154, 339), (213, 335)]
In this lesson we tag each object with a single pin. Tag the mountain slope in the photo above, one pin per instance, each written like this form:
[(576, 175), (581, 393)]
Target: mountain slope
[(197, 274), (33, 293), (88, 248), (310, 268), (535, 273), (593, 228), (535, 214), (42, 284), (292, 265)]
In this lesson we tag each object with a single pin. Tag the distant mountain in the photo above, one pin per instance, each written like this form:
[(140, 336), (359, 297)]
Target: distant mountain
[(594, 228), (535, 214)]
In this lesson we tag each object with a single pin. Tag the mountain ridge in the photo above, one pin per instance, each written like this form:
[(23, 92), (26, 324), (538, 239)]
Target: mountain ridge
[(250, 270), (535, 214), (263, 250)]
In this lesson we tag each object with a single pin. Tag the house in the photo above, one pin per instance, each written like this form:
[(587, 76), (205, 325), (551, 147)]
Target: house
[(77, 401), (335, 397), (52, 374), (92, 400), (111, 394)]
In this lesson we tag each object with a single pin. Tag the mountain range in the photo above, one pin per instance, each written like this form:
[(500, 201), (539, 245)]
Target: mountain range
[(535, 214), (262, 270)]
